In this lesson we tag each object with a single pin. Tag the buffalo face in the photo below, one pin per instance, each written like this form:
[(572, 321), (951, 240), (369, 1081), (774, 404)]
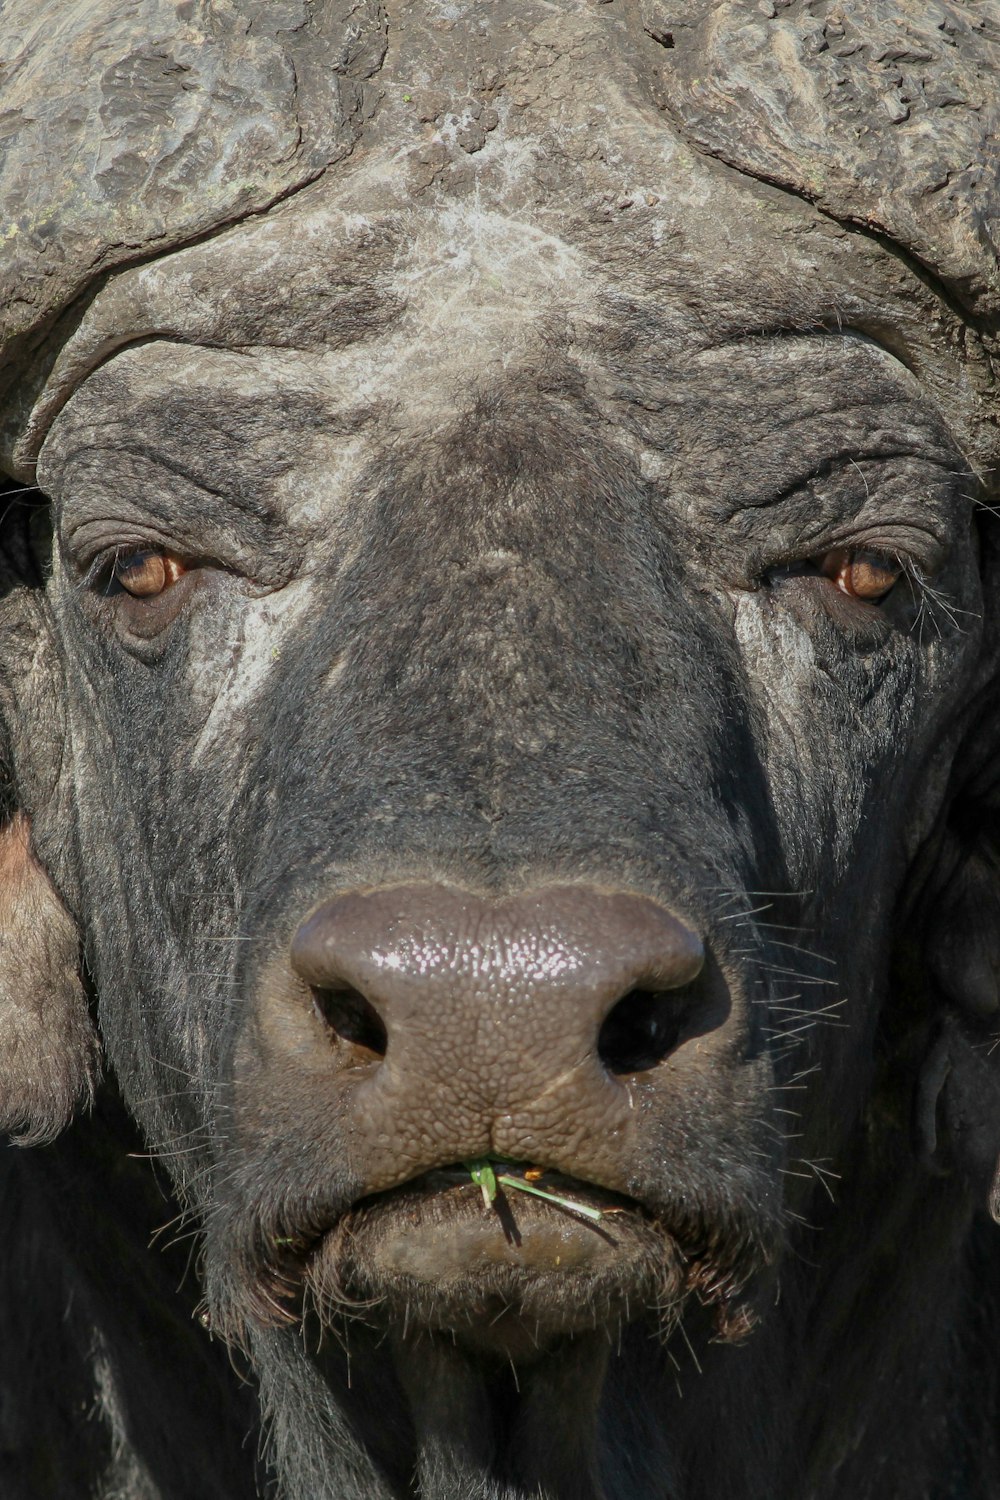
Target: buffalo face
[(526, 777), (512, 662)]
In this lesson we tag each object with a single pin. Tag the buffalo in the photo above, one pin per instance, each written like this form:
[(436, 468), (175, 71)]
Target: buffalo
[(499, 646)]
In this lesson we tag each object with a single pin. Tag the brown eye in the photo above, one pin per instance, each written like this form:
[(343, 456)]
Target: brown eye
[(863, 575), (146, 574)]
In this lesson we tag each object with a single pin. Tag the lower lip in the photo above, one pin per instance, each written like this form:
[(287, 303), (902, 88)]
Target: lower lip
[(446, 1239), (487, 1274), (441, 1227)]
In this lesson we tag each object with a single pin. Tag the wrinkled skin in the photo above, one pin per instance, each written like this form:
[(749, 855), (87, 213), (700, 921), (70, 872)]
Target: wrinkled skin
[(506, 472)]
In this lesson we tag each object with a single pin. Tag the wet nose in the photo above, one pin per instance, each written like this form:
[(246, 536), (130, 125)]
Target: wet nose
[(433, 982)]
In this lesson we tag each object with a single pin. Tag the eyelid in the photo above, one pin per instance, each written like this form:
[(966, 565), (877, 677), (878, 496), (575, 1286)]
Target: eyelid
[(909, 545), (90, 551), (96, 559), (920, 553), (103, 563)]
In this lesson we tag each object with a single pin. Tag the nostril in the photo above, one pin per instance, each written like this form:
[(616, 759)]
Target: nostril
[(354, 1020), (433, 957), (641, 1029)]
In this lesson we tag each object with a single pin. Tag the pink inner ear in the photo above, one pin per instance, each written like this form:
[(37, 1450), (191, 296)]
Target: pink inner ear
[(49, 1050)]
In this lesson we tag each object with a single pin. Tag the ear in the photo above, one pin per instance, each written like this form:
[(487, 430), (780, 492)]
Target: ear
[(48, 1043)]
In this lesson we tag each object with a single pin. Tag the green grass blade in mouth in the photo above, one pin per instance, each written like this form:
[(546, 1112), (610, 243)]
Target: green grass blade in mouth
[(483, 1173), (594, 1214)]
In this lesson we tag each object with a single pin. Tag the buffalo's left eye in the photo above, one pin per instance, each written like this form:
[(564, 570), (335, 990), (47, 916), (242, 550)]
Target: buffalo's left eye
[(144, 575), (870, 576)]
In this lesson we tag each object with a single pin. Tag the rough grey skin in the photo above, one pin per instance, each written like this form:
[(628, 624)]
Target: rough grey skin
[(502, 768)]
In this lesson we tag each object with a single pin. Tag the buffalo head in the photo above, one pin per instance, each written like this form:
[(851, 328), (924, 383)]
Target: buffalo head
[(499, 658)]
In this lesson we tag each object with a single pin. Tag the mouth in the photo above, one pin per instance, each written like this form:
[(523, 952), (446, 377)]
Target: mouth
[(504, 1257)]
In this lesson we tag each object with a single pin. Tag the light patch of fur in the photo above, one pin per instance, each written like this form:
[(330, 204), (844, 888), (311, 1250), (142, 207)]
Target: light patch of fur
[(478, 287), (127, 1478), (308, 1440), (266, 623), (762, 634)]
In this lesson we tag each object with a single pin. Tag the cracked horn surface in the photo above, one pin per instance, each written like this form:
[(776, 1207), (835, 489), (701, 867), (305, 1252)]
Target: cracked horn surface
[(883, 115), (129, 130), (126, 130)]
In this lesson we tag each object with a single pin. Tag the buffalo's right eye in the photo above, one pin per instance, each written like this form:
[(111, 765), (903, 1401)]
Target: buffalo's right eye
[(144, 589), (144, 575), (869, 576)]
